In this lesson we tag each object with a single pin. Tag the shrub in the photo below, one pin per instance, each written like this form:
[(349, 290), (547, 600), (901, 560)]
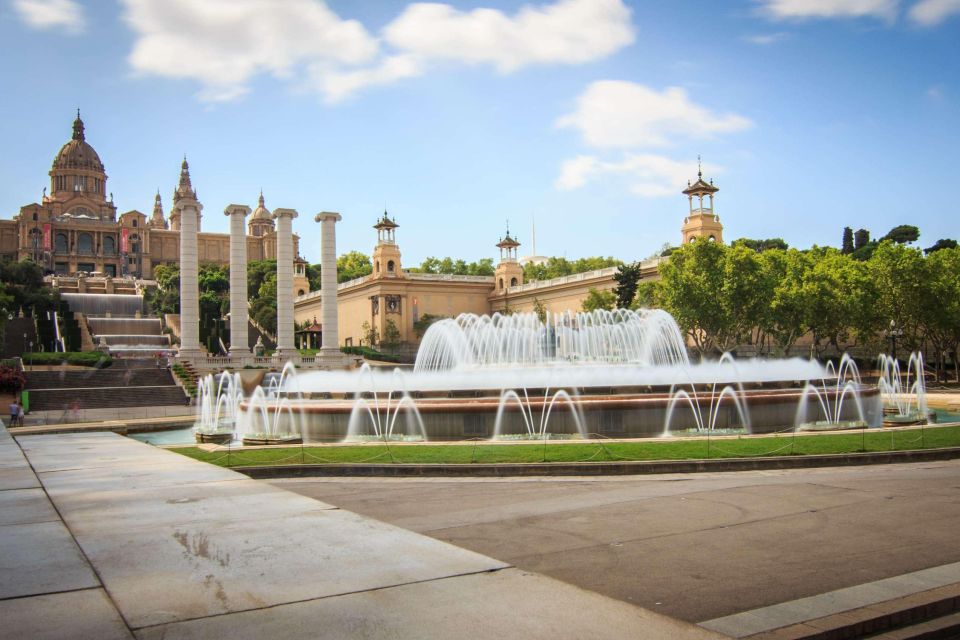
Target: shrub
[(77, 358), (370, 354), (12, 379)]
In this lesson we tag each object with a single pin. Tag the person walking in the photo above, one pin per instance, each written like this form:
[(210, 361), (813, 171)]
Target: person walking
[(14, 412), (19, 415)]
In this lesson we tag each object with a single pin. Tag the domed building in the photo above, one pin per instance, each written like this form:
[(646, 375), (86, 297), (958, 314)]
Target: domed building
[(75, 230)]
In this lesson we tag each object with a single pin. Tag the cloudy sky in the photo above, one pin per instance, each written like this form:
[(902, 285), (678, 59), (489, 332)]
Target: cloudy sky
[(584, 115)]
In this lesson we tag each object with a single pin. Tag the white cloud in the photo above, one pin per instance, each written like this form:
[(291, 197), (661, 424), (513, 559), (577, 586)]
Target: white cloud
[(764, 39), (567, 32), (935, 92), (615, 113), (646, 175), (801, 9), (51, 14), (225, 44), (929, 13)]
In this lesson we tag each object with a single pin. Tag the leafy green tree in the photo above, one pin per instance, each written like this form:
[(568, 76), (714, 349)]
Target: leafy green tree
[(940, 312), (559, 267), (902, 234), (847, 244), (899, 273), (762, 245), (420, 326), (942, 243), (449, 266), (860, 239), (785, 320), (352, 265), (391, 334), (369, 334), (599, 299), (540, 309), (627, 278)]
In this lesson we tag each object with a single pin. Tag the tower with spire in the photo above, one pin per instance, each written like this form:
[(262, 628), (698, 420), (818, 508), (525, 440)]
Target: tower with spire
[(701, 221), (261, 222), (157, 220), (508, 273), (183, 194)]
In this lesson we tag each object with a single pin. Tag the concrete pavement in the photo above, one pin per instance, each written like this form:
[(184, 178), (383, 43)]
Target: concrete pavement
[(696, 547), (106, 537)]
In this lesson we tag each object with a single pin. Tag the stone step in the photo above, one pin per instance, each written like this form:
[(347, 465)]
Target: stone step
[(95, 378), (106, 397)]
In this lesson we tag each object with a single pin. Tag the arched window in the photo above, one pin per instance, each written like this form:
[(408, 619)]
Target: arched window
[(35, 216), (501, 283), (513, 282), (713, 238), (391, 266), (85, 243), (61, 243), (109, 245), (378, 266), (301, 292)]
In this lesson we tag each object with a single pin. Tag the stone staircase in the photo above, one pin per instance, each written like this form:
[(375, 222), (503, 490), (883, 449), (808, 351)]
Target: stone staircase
[(128, 383)]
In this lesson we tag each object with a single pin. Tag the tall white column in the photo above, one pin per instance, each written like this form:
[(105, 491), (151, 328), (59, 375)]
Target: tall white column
[(285, 345), (239, 347), (328, 282), (189, 297)]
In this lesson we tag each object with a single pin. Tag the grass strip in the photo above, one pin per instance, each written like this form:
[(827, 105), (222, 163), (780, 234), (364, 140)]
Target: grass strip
[(589, 451)]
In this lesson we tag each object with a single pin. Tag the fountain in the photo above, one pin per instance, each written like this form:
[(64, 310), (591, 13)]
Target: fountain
[(904, 395), (598, 374)]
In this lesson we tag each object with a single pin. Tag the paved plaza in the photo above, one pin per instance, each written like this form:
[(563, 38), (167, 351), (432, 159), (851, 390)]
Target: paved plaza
[(105, 537), (696, 547)]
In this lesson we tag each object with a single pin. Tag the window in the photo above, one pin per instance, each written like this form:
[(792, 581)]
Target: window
[(391, 266), (85, 243), (109, 245), (513, 282), (134, 222), (110, 270), (301, 292), (501, 283), (61, 245)]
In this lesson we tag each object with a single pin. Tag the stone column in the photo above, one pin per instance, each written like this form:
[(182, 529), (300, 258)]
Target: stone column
[(286, 348), (330, 345), (238, 281), (189, 296)]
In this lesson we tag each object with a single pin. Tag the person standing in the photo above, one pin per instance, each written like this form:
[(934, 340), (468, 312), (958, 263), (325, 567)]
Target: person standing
[(14, 412), (19, 415)]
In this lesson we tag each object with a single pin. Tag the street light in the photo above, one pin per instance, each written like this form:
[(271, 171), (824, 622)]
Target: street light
[(24, 341), (894, 332)]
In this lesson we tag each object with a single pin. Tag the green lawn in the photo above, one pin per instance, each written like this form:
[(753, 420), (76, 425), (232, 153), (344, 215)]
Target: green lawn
[(591, 451)]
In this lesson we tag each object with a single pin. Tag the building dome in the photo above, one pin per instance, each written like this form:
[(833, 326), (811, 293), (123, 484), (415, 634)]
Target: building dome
[(261, 212), (77, 153)]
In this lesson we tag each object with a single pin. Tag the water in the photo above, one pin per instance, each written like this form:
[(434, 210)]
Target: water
[(903, 392), (182, 435), (100, 304), (129, 335)]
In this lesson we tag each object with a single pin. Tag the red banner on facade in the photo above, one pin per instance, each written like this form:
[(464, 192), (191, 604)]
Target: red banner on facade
[(47, 240), (123, 240)]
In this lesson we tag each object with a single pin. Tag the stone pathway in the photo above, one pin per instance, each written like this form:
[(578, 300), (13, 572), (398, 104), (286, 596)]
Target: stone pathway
[(105, 537)]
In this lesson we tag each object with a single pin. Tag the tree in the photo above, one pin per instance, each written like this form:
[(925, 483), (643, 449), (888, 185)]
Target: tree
[(483, 267), (899, 273), (420, 326), (943, 243), (352, 265), (860, 239), (902, 234), (599, 299), (369, 333), (762, 245), (559, 267), (785, 321), (941, 319), (627, 277), (540, 309), (691, 289), (847, 245), (391, 334)]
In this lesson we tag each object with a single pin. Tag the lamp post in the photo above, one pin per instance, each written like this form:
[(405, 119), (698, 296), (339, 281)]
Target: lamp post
[(24, 341), (894, 332)]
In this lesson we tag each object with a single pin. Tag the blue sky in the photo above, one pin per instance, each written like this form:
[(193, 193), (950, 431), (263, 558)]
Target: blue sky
[(587, 115)]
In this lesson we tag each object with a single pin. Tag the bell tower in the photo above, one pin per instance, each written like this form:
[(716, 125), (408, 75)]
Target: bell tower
[(508, 273), (386, 255), (701, 221)]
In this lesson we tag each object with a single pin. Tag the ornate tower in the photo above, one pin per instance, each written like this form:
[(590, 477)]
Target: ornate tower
[(386, 255), (701, 222), (157, 221), (508, 273), (184, 191)]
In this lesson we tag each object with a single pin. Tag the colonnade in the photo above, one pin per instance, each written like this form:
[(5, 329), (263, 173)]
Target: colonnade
[(189, 209)]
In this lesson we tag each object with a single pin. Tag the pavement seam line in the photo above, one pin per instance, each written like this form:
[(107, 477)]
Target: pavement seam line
[(333, 595), (73, 537)]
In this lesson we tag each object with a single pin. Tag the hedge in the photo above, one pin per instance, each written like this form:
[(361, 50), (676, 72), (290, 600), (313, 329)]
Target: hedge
[(78, 358), (370, 354)]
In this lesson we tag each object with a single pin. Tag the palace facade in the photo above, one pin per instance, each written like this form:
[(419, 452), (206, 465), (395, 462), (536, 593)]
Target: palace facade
[(75, 228)]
